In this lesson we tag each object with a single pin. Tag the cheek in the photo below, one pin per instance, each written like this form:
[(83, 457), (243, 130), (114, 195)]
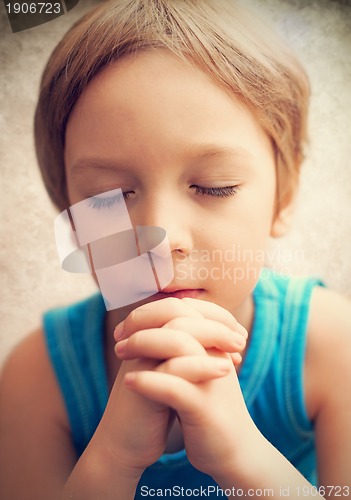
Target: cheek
[(240, 240), (256, 208)]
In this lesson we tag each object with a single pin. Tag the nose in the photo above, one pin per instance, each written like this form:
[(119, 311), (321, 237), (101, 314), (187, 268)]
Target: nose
[(169, 213)]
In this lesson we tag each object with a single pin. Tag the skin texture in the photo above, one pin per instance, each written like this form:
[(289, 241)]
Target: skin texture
[(163, 131)]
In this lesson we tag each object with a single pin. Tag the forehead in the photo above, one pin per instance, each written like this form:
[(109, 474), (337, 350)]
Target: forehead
[(154, 104), (156, 82)]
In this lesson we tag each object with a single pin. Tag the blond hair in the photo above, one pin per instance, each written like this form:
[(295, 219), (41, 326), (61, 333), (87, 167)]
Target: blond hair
[(221, 37)]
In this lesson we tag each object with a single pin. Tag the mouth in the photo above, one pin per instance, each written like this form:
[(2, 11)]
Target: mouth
[(192, 293)]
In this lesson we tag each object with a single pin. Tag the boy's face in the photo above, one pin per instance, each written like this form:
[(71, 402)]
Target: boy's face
[(189, 158)]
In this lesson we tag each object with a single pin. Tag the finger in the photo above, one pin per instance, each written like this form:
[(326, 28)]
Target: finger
[(236, 358), (154, 315), (209, 333), (213, 311), (196, 369), (158, 343), (169, 390)]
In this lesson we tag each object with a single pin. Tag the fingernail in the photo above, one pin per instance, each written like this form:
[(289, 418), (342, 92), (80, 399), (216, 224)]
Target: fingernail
[(236, 358), (240, 341), (129, 378), (119, 330), (121, 346), (242, 330), (223, 367)]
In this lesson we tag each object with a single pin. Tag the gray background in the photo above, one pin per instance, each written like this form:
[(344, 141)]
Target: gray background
[(320, 240)]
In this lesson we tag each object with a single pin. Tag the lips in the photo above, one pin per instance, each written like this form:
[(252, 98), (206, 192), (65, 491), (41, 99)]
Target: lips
[(192, 293)]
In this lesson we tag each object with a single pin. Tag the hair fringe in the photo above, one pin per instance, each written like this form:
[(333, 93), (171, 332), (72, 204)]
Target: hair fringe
[(220, 37)]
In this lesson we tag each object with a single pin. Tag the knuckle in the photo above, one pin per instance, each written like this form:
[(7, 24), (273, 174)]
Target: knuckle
[(171, 300), (139, 312), (133, 315), (182, 348), (134, 341), (169, 366), (227, 331), (175, 323), (230, 320), (130, 323), (173, 304)]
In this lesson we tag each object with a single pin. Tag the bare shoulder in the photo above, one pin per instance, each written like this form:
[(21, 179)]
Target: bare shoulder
[(328, 382), (329, 307), (34, 429), (28, 375), (328, 356)]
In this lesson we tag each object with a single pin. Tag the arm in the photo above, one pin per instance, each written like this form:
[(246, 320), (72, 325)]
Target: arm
[(130, 436), (36, 454), (328, 400), (328, 393), (97, 475), (37, 458), (207, 412), (220, 437)]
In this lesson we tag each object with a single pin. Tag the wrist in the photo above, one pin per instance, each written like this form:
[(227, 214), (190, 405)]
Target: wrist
[(111, 460), (239, 463), (100, 474), (261, 466)]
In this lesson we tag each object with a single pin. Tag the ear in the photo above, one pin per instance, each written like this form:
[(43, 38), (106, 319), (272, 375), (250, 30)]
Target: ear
[(284, 213)]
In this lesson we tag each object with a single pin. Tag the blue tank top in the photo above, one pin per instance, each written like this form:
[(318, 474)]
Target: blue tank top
[(271, 379)]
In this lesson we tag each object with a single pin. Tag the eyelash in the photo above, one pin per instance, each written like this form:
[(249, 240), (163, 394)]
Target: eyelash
[(219, 192), (98, 203)]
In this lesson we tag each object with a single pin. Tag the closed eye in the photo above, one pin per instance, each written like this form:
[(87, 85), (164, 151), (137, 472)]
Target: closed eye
[(100, 202), (219, 192)]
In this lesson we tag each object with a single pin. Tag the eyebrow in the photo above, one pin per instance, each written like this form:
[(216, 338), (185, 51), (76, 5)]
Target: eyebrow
[(95, 163), (200, 152), (209, 151)]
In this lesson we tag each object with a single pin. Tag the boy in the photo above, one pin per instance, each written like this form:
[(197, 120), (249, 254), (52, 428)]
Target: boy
[(201, 124)]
